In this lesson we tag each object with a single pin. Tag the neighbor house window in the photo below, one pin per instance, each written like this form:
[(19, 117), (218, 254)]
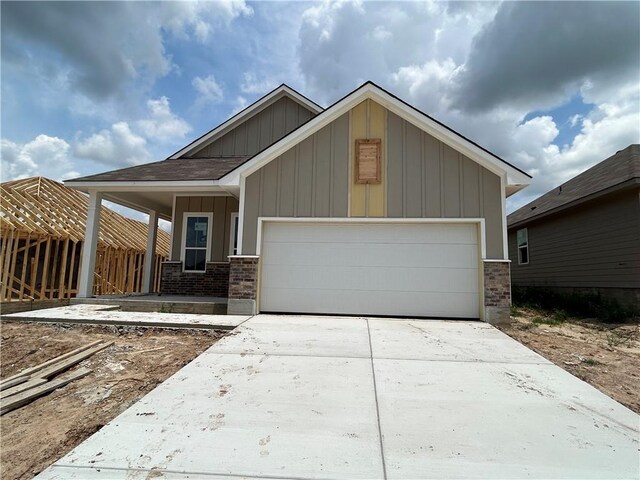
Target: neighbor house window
[(523, 246), (196, 241), (233, 235)]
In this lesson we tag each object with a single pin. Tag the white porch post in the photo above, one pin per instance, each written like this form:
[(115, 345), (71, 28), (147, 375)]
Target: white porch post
[(149, 258), (85, 283)]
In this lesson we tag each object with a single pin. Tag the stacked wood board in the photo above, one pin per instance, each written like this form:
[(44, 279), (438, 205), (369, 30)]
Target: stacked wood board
[(34, 382), (42, 227)]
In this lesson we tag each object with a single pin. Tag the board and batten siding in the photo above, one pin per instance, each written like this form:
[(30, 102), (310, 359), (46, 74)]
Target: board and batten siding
[(221, 207), (595, 245), (259, 131), (422, 178), (309, 180), (428, 179)]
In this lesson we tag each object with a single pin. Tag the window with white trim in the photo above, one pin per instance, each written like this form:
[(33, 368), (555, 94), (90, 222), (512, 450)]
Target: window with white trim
[(523, 246), (233, 235), (196, 241)]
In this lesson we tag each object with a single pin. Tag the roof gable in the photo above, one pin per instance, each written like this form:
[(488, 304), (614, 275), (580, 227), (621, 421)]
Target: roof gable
[(283, 91), (516, 178), (614, 171)]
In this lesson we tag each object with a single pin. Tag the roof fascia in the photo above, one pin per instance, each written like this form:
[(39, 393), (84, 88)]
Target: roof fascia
[(393, 104), (626, 185), (247, 113), (142, 186)]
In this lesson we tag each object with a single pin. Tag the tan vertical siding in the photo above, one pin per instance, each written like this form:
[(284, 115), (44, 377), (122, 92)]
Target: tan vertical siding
[(259, 131), (594, 245), (368, 120), (428, 179), (221, 207), (309, 180)]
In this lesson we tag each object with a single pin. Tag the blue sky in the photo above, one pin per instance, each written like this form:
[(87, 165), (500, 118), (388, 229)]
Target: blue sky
[(553, 87)]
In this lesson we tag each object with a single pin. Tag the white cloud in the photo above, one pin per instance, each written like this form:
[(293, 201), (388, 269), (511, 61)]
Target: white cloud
[(43, 156), (117, 146), (253, 85), (163, 125), (104, 47), (209, 90)]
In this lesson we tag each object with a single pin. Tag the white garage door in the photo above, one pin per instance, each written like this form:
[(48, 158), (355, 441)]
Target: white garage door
[(418, 269)]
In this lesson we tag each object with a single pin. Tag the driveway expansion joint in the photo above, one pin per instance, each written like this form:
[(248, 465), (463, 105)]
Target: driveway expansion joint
[(375, 394)]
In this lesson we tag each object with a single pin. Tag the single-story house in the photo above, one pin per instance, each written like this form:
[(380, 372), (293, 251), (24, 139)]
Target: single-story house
[(583, 236), (367, 207)]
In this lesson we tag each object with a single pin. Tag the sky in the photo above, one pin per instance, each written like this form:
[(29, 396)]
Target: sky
[(87, 87)]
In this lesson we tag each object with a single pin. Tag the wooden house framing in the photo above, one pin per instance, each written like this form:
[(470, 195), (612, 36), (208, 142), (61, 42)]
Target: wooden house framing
[(42, 228)]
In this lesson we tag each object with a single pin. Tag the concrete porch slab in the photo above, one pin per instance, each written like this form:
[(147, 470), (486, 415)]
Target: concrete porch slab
[(246, 416), (110, 315)]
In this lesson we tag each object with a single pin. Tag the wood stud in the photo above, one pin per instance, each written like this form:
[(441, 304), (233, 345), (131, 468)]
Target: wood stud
[(39, 214)]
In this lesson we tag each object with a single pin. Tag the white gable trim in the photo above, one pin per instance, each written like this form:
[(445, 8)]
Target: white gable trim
[(369, 91), (244, 115)]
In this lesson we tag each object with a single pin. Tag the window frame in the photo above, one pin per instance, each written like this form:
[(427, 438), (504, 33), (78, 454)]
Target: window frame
[(522, 247), (233, 229), (183, 245)]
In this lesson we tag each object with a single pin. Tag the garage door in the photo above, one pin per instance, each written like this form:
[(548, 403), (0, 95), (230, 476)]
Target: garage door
[(399, 269)]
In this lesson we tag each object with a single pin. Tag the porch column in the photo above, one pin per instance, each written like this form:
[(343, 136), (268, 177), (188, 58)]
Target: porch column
[(88, 265), (149, 258)]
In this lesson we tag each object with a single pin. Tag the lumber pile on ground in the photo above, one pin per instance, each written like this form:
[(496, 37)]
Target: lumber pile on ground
[(26, 386), (42, 227)]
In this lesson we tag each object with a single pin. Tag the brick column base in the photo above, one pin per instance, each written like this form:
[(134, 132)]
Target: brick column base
[(243, 285), (497, 291)]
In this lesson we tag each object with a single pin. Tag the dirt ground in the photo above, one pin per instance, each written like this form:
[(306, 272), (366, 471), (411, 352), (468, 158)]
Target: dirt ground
[(604, 355), (36, 435)]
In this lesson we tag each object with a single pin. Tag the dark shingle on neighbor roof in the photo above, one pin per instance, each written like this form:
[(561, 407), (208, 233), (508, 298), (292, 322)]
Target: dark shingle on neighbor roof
[(615, 170), (179, 169)]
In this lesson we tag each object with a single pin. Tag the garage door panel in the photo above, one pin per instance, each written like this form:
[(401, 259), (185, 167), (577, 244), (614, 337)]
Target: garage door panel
[(374, 233), (362, 303), (375, 254), (397, 279), (416, 269)]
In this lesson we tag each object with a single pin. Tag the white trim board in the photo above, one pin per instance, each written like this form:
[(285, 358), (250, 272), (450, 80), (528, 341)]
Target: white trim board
[(253, 109), (515, 178)]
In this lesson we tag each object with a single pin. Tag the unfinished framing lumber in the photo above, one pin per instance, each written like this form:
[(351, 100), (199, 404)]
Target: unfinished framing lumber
[(71, 361), (30, 371), (23, 387), (13, 382), (21, 399), (42, 227)]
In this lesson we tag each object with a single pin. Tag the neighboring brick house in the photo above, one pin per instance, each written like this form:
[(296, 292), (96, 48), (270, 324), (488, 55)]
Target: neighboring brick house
[(367, 207), (583, 236)]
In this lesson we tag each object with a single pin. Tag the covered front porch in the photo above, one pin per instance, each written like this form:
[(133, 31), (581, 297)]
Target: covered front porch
[(204, 220)]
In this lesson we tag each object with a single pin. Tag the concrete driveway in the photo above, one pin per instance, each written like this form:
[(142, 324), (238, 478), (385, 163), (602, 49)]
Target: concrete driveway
[(343, 398)]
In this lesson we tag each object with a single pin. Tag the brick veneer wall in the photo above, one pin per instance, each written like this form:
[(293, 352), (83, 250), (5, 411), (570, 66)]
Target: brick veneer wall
[(243, 277), (243, 284), (497, 291), (214, 282)]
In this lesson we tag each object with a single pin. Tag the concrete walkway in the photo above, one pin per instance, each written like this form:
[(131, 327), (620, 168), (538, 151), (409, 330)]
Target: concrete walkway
[(347, 398), (90, 314)]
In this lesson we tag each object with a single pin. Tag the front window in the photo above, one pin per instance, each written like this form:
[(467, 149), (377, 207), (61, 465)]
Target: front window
[(523, 246), (197, 228)]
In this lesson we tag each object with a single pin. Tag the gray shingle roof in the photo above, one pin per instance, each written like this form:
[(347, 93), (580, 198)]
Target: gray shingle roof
[(179, 169), (615, 170)]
